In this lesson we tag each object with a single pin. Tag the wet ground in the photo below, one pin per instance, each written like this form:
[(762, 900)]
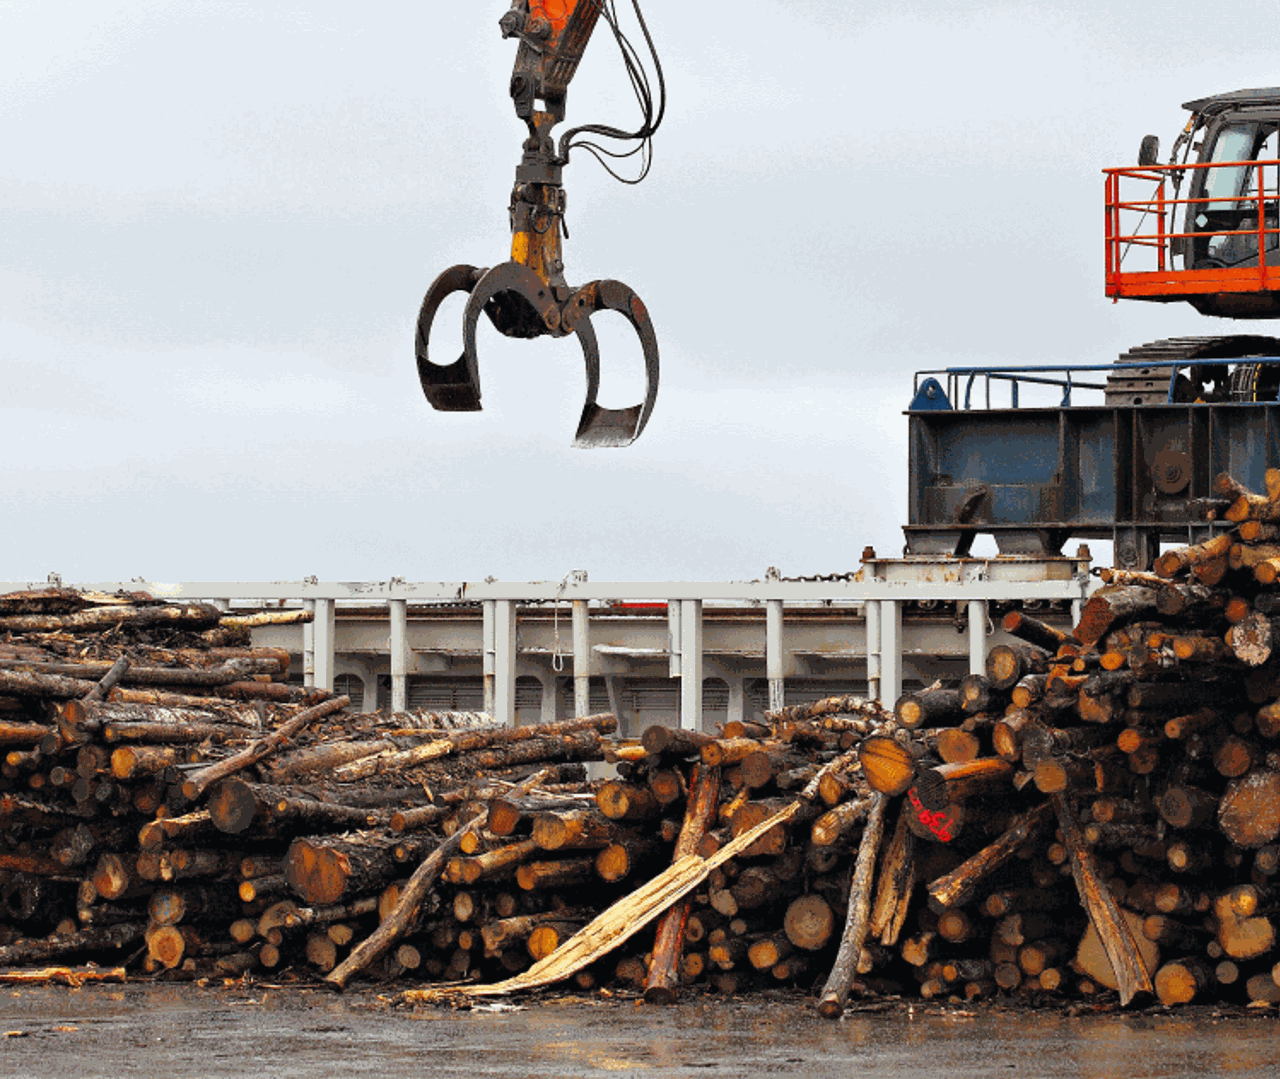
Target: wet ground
[(187, 1031)]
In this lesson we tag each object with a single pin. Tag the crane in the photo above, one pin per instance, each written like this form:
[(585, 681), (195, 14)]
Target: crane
[(1138, 468), (528, 295)]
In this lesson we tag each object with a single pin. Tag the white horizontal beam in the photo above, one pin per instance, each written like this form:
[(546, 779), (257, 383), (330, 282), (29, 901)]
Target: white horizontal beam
[(1073, 588)]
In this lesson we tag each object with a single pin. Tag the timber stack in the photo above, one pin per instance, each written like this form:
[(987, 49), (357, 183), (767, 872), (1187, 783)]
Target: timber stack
[(1099, 811), (167, 796)]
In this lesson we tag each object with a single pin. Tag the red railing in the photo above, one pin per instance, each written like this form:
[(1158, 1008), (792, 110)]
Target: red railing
[(1127, 216)]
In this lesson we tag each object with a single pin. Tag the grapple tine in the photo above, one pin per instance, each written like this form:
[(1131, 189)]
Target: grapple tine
[(540, 316), (453, 387), (602, 427)]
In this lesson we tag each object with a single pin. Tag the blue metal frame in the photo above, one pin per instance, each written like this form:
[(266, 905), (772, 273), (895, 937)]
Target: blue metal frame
[(1034, 475), (1014, 375)]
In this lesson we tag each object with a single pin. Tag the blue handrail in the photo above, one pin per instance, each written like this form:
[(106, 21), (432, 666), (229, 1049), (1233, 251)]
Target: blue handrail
[(1017, 374)]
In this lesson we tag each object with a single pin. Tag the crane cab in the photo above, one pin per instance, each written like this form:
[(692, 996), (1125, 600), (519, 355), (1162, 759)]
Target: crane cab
[(1205, 227)]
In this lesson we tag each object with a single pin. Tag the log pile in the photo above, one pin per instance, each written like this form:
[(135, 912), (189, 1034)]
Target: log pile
[(1099, 811), (168, 800), (1110, 796)]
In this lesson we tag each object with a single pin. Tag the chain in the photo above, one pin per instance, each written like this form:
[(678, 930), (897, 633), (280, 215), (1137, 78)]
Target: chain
[(824, 577), (772, 574)]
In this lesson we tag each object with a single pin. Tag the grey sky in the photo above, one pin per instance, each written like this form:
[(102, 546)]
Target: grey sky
[(217, 221)]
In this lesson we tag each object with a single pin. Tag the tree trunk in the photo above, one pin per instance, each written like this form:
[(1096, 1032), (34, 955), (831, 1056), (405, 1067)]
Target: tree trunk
[(108, 938), (930, 708), (897, 880), (186, 616), (887, 765), (1184, 558), (1034, 631), (704, 794), (673, 741), (196, 783), (322, 870), (1110, 607), (1123, 953), (1007, 664), (1249, 813), (411, 898), (839, 983), (960, 885)]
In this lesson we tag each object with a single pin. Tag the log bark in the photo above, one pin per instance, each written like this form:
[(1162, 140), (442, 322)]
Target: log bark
[(324, 757), (72, 976), (1131, 973), (835, 993), (495, 863), (674, 741), (493, 747), (322, 870), (897, 880), (195, 785), (86, 717), (960, 885), (930, 708), (412, 896), (1034, 631), (186, 615), (108, 938), (23, 734), (1007, 664), (662, 981), (1184, 558), (1111, 607), (838, 822)]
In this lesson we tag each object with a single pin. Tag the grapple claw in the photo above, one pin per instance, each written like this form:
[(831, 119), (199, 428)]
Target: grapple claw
[(453, 387), (600, 427), (521, 304)]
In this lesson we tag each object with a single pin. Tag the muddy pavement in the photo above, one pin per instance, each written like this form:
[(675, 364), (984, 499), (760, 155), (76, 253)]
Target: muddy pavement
[(185, 1031)]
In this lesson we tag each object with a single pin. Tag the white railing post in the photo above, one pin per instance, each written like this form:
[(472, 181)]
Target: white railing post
[(324, 626), (890, 652), (691, 664), (309, 646), (581, 658), (977, 636), (871, 616), (775, 660), (487, 662), (504, 662), (398, 614)]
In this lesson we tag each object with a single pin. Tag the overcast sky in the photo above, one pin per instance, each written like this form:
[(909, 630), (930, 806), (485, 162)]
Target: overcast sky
[(217, 221)]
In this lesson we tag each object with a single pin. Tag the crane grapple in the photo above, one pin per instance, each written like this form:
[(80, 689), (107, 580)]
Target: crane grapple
[(528, 295)]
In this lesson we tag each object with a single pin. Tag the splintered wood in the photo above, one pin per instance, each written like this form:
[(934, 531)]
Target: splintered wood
[(1099, 813)]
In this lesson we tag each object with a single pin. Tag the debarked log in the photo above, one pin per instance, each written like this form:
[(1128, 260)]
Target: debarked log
[(92, 717)]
